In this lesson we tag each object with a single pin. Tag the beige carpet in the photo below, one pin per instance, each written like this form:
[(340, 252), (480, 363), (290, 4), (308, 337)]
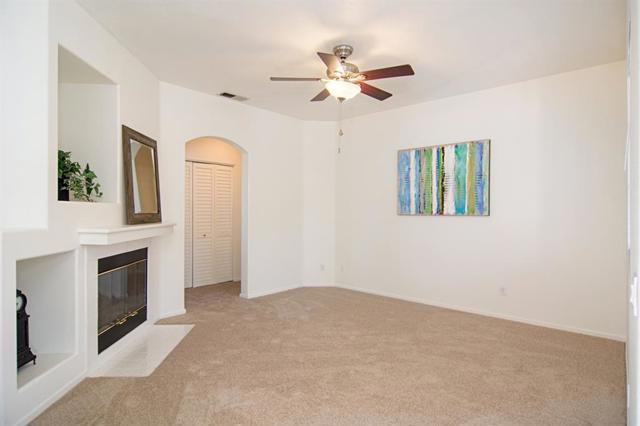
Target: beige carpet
[(325, 356)]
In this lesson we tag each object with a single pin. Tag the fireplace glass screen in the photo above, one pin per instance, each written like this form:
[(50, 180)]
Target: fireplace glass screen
[(122, 295)]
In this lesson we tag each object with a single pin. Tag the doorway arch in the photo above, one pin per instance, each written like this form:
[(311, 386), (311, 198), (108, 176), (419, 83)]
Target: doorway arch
[(244, 196)]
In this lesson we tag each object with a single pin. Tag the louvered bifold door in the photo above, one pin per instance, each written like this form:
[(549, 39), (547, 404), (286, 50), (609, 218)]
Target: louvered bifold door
[(188, 225), (203, 246), (223, 224)]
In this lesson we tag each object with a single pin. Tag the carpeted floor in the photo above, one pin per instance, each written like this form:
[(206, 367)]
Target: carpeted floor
[(327, 356)]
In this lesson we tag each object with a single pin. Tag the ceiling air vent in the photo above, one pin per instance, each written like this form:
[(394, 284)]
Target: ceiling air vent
[(232, 96)]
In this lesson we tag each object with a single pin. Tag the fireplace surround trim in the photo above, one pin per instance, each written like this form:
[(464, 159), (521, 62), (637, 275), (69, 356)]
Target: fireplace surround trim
[(123, 234)]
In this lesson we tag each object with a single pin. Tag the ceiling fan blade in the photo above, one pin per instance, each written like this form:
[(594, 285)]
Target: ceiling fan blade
[(397, 71), (331, 61), (374, 92), (294, 78), (321, 96)]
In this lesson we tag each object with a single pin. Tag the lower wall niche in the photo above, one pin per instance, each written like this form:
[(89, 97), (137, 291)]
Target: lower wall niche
[(48, 282)]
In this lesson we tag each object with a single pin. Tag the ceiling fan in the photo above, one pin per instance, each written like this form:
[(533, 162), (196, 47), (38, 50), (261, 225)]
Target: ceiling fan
[(344, 79)]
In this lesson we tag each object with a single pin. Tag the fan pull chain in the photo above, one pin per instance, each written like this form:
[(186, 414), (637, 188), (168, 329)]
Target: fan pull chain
[(340, 132)]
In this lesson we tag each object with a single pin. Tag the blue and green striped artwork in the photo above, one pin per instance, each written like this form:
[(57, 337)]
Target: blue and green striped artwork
[(444, 180)]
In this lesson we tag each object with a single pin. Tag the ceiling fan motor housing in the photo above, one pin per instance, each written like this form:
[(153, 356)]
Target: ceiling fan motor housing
[(343, 51), (349, 71)]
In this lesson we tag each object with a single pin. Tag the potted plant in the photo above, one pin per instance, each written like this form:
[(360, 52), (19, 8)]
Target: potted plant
[(82, 183), (67, 169), (90, 186)]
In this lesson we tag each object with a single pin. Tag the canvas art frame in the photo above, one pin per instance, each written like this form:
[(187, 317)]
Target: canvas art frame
[(445, 180)]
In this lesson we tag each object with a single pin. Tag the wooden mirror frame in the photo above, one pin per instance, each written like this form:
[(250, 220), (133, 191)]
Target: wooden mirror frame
[(134, 218)]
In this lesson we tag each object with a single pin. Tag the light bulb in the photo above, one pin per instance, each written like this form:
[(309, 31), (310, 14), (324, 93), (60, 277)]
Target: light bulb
[(342, 89)]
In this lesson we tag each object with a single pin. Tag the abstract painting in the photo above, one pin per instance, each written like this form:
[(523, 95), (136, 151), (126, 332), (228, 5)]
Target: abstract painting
[(444, 180)]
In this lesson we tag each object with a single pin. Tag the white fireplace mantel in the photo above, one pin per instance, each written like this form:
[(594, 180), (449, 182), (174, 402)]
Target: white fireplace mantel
[(122, 234)]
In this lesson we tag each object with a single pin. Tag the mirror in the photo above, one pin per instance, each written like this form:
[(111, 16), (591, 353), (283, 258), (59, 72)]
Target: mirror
[(141, 177), (143, 169)]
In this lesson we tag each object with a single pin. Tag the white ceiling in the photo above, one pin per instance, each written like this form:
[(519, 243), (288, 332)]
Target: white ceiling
[(454, 46)]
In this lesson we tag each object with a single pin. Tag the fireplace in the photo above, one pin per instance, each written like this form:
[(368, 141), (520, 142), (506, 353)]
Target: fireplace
[(122, 295)]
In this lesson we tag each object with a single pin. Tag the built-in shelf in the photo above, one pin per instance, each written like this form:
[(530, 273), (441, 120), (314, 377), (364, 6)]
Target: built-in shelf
[(88, 122), (49, 283), (123, 234), (44, 363)]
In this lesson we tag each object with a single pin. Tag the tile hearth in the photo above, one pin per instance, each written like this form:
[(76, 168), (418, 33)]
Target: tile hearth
[(140, 357)]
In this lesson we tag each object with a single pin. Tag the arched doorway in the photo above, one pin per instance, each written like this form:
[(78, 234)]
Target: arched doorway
[(215, 213)]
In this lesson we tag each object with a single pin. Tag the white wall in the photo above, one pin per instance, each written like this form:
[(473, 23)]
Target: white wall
[(213, 150), (555, 240), (319, 160), (137, 107), (272, 193), (24, 112), (31, 32)]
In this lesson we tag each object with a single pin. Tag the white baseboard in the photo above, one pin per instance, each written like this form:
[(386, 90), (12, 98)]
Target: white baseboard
[(254, 294), (446, 306), (40, 408), (172, 314), (487, 314), (318, 285)]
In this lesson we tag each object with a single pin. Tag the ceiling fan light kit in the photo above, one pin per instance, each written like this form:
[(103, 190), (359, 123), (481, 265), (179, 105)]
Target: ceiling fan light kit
[(345, 80), (342, 90)]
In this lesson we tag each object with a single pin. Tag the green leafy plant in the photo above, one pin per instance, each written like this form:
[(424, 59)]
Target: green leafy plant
[(83, 184), (91, 184), (66, 168)]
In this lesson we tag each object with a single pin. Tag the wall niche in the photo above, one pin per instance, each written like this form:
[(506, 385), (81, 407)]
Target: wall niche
[(49, 283), (88, 121)]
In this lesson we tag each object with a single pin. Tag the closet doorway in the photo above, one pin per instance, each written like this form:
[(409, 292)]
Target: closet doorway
[(212, 212)]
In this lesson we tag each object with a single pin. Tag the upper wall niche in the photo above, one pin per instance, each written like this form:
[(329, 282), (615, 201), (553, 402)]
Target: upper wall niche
[(88, 120)]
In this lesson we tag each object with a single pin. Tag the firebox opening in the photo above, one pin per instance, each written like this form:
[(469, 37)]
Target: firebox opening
[(122, 295)]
